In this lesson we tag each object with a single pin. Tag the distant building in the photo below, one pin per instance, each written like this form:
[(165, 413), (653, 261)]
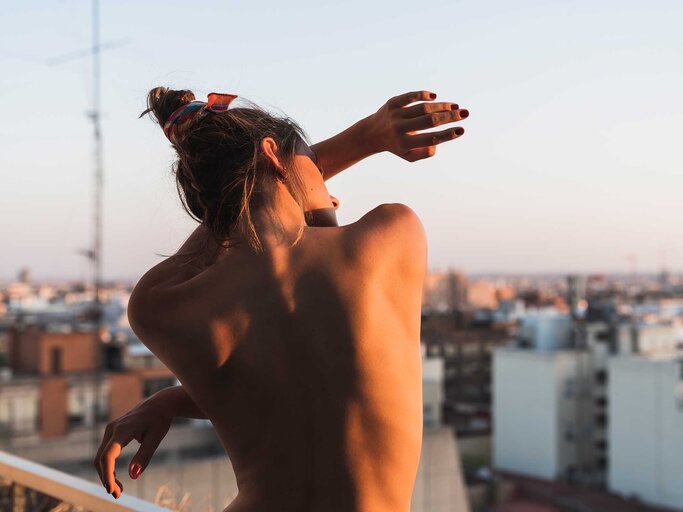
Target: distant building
[(646, 428), (592, 402), (24, 275), (466, 354), (53, 378), (444, 291), (432, 391), (482, 294)]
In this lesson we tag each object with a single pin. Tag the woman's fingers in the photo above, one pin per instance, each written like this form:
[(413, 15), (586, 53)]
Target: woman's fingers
[(419, 154), (432, 120), (421, 140), (118, 440), (404, 117), (105, 441), (426, 108), (108, 464), (148, 446), (411, 97)]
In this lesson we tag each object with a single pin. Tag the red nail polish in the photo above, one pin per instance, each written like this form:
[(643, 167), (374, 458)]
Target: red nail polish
[(459, 130), (464, 114), (455, 106), (432, 96), (135, 470)]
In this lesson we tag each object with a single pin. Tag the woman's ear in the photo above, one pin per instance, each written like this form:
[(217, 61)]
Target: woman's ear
[(270, 151)]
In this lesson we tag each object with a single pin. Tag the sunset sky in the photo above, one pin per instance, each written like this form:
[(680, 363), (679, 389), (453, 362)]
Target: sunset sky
[(571, 160)]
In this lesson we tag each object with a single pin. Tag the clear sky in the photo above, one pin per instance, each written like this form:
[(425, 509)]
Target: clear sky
[(571, 159)]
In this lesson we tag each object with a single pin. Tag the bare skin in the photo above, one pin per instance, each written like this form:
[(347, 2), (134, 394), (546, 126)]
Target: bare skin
[(305, 358)]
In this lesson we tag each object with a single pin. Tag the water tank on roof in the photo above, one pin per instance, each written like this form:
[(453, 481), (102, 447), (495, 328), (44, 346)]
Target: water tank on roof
[(547, 331)]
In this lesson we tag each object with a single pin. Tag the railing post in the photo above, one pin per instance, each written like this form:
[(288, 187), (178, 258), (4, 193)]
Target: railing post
[(18, 498)]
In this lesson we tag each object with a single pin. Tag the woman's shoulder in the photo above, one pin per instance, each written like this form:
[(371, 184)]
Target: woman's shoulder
[(388, 215), (156, 295), (389, 223), (390, 233)]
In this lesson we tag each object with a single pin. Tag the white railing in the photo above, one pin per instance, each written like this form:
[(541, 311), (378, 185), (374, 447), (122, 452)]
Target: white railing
[(27, 482)]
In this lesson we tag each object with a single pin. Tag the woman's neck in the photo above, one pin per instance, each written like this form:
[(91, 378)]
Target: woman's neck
[(277, 223)]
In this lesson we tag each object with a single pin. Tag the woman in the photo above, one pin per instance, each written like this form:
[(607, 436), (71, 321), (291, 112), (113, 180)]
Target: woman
[(298, 338)]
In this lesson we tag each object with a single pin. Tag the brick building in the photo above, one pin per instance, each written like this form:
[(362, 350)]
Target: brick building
[(65, 380)]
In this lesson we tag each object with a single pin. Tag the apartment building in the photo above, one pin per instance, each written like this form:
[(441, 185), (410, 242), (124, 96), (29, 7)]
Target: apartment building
[(60, 385), (592, 402)]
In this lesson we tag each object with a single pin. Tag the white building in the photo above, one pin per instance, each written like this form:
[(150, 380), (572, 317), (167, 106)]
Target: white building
[(432, 391), (592, 404), (535, 410), (539, 401), (646, 429)]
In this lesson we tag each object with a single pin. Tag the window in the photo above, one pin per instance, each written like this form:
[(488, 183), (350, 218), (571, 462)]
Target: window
[(601, 420), (569, 434), (56, 360), (601, 376), (80, 401), (601, 444)]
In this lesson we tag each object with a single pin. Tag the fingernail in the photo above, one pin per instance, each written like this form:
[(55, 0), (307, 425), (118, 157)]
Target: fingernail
[(459, 130), (135, 470), (432, 96), (455, 106), (107, 488), (464, 114)]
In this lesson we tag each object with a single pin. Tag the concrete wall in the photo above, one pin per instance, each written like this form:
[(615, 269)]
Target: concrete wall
[(646, 430), (542, 412), (525, 430), (439, 484)]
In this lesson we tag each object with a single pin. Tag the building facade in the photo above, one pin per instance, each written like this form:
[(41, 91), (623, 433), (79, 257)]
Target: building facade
[(592, 402)]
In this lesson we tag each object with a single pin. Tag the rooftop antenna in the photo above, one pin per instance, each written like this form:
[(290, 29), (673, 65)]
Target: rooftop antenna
[(95, 116), (94, 253)]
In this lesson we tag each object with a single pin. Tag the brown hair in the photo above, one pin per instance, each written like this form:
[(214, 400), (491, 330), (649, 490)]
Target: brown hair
[(221, 174)]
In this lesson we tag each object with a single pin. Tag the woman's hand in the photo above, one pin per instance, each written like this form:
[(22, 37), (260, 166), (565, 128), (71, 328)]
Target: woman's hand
[(393, 127), (148, 423)]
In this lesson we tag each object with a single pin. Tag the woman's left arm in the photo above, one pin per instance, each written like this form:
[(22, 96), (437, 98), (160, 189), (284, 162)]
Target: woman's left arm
[(392, 128)]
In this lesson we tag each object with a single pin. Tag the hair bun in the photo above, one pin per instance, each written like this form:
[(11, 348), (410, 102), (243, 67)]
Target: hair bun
[(162, 102)]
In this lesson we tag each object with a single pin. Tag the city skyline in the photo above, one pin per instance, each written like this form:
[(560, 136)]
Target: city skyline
[(568, 164)]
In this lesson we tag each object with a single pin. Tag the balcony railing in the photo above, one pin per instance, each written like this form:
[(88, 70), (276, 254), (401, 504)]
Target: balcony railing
[(29, 487)]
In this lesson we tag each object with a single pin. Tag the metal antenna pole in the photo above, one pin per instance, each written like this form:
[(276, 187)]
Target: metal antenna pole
[(94, 253), (97, 215)]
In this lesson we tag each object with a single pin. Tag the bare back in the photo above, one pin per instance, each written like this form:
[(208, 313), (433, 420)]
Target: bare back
[(307, 362)]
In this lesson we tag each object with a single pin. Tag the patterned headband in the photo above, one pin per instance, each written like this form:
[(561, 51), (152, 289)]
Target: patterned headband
[(180, 119)]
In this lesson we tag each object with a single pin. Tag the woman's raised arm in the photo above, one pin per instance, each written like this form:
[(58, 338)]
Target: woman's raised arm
[(392, 128)]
